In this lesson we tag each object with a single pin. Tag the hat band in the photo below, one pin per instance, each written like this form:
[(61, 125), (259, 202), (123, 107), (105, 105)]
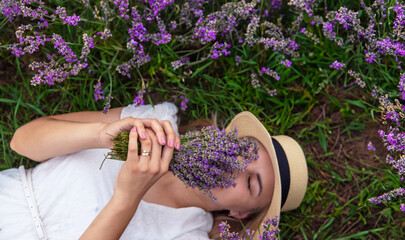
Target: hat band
[(284, 169)]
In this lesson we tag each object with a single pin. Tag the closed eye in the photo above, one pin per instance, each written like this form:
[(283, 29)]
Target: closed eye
[(249, 183)]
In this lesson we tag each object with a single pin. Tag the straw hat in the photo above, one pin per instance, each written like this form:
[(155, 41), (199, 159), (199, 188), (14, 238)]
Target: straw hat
[(289, 164)]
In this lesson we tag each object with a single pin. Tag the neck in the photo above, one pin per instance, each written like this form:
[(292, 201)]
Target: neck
[(177, 195)]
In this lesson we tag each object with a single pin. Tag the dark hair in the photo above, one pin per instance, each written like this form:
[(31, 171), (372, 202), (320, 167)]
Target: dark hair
[(239, 226)]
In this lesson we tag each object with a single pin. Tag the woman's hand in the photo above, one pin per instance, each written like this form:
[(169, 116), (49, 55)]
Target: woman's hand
[(164, 132), (136, 176), (140, 172)]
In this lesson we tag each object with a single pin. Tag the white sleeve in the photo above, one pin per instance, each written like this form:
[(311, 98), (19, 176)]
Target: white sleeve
[(162, 111)]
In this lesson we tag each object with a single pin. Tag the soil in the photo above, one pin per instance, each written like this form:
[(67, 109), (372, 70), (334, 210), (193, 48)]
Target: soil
[(348, 151)]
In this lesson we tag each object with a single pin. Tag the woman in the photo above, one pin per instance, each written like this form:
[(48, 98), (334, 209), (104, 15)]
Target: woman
[(68, 197)]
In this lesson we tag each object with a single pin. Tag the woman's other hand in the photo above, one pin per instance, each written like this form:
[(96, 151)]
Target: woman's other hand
[(164, 132)]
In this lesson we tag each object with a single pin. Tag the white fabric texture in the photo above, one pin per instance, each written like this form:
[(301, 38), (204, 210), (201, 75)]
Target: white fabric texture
[(71, 190)]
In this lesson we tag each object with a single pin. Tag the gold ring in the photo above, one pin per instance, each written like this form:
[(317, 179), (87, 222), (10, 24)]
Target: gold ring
[(145, 153)]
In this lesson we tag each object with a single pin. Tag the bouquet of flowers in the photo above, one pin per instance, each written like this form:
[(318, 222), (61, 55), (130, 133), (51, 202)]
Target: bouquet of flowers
[(208, 158)]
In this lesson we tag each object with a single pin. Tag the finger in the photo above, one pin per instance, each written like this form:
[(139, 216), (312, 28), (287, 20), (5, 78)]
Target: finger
[(167, 155), (139, 127), (146, 148), (155, 125), (133, 145), (172, 137), (156, 152)]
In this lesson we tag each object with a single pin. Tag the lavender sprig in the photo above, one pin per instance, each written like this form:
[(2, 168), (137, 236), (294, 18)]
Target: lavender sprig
[(208, 158), (269, 226)]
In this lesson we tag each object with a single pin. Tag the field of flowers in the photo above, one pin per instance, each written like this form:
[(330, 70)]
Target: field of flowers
[(329, 73)]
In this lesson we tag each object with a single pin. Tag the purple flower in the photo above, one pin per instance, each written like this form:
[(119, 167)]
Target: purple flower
[(238, 59), (63, 48), (270, 72), (209, 157), (254, 81), (219, 49), (401, 85), (122, 7), (370, 147), (48, 73), (70, 20), (286, 63), (98, 92), (184, 102), (370, 57), (269, 231), (138, 100), (328, 31), (107, 105), (105, 34), (402, 207), (336, 65), (389, 196), (179, 63), (347, 18)]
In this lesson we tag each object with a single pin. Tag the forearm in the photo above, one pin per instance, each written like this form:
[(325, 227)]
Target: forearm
[(47, 137), (112, 220)]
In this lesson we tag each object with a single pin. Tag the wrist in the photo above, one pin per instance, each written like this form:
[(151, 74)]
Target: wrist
[(99, 137), (125, 202)]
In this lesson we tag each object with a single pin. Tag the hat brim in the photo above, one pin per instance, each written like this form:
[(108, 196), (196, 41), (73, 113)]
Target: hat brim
[(248, 125)]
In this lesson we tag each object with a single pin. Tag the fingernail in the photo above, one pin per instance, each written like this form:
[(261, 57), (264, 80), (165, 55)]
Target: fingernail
[(133, 129), (163, 140), (178, 146), (171, 143), (143, 135)]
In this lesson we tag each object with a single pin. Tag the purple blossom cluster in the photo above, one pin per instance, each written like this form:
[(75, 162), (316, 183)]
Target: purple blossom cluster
[(241, 22), (104, 34), (357, 78), (401, 86), (394, 141), (238, 60), (48, 72), (209, 158), (336, 65), (123, 7), (224, 22), (12, 9), (70, 20), (62, 47), (370, 146), (269, 72), (286, 63), (347, 18), (305, 5), (270, 231), (254, 81), (98, 92), (138, 100), (27, 44), (183, 103), (179, 63), (156, 6), (219, 49), (389, 196)]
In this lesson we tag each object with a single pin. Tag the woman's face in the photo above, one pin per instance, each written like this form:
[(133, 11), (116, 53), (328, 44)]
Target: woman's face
[(254, 187)]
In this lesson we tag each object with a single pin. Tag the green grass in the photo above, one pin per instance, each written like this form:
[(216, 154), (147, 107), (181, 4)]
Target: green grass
[(320, 107)]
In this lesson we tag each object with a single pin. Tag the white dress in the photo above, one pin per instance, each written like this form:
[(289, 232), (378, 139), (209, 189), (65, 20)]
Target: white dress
[(58, 199)]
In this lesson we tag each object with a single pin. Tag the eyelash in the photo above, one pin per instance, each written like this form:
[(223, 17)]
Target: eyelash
[(248, 182)]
